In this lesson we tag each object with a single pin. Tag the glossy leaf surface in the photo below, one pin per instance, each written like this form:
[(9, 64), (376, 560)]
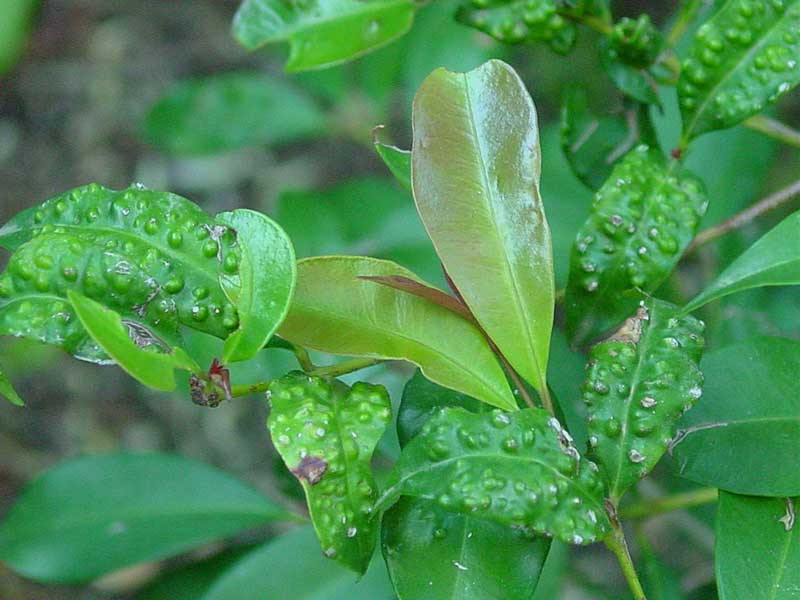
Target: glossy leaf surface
[(641, 221), (7, 390), (230, 111), (139, 352), (772, 260), (322, 33), (267, 273), (517, 469), (744, 436), (183, 249), (638, 383), (742, 59), (335, 311), (757, 553), (292, 565), (49, 535), (326, 433), (476, 167)]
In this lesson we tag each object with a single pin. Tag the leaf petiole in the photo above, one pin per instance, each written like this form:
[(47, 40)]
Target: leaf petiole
[(617, 544)]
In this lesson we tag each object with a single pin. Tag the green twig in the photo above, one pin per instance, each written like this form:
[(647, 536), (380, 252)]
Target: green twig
[(657, 506), (345, 367), (774, 129), (687, 14), (237, 391), (617, 544)]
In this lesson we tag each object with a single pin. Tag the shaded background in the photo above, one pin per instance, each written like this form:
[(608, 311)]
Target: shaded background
[(71, 112)]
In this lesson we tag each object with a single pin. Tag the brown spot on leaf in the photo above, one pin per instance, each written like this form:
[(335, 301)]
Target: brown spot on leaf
[(631, 330), (311, 468)]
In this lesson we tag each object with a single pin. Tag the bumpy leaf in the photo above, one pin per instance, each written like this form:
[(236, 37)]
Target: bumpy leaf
[(7, 390), (182, 249), (772, 260), (639, 382), (267, 273), (229, 111), (517, 21), (335, 311), (33, 291), (476, 167), (633, 82), (636, 42), (744, 436), (326, 434), (517, 469), (757, 553), (137, 351), (322, 33), (743, 58), (642, 219)]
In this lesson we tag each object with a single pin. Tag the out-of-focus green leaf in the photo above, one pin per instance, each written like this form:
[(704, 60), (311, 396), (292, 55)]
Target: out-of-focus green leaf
[(97, 514), (642, 219), (335, 311), (15, 26), (267, 273), (550, 580), (326, 433), (772, 260), (634, 82), (133, 347), (7, 390), (292, 566), (638, 384), (476, 167), (517, 469), (658, 580), (741, 59), (322, 33), (757, 553), (363, 216), (744, 436), (229, 111)]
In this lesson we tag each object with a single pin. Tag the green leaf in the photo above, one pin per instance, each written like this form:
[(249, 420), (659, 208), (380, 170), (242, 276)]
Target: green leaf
[(335, 311), (267, 273), (322, 33), (326, 433), (757, 553), (7, 390), (773, 260), (517, 469), (438, 554), (182, 249), (593, 144), (229, 111), (397, 160), (142, 355), (658, 580), (744, 437), (742, 59), (432, 553), (33, 291), (636, 83), (638, 383), (476, 167), (521, 21), (96, 514), (292, 564), (642, 219), (15, 28)]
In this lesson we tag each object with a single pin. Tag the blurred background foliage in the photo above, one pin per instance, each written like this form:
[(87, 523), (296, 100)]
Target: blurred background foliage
[(160, 93)]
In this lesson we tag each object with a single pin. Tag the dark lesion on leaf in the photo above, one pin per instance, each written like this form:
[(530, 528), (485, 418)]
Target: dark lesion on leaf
[(311, 468), (631, 330)]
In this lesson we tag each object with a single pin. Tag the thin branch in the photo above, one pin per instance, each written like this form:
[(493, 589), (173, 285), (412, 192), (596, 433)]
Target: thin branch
[(617, 544), (741, 219), (656, 506), (345, 367), (774, 129)]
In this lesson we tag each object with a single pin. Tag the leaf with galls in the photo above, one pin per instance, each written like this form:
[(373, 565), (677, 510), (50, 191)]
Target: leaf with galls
[(639, 382), (326, 433), (518, 469), (642, 219)]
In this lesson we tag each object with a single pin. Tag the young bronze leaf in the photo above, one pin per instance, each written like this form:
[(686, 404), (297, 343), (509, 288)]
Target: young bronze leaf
[(742, 59), (517, 469), (476, 165), (322, 33), (639, 382), (335, 310), (642, 219), (183, 250), (326, 433)]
